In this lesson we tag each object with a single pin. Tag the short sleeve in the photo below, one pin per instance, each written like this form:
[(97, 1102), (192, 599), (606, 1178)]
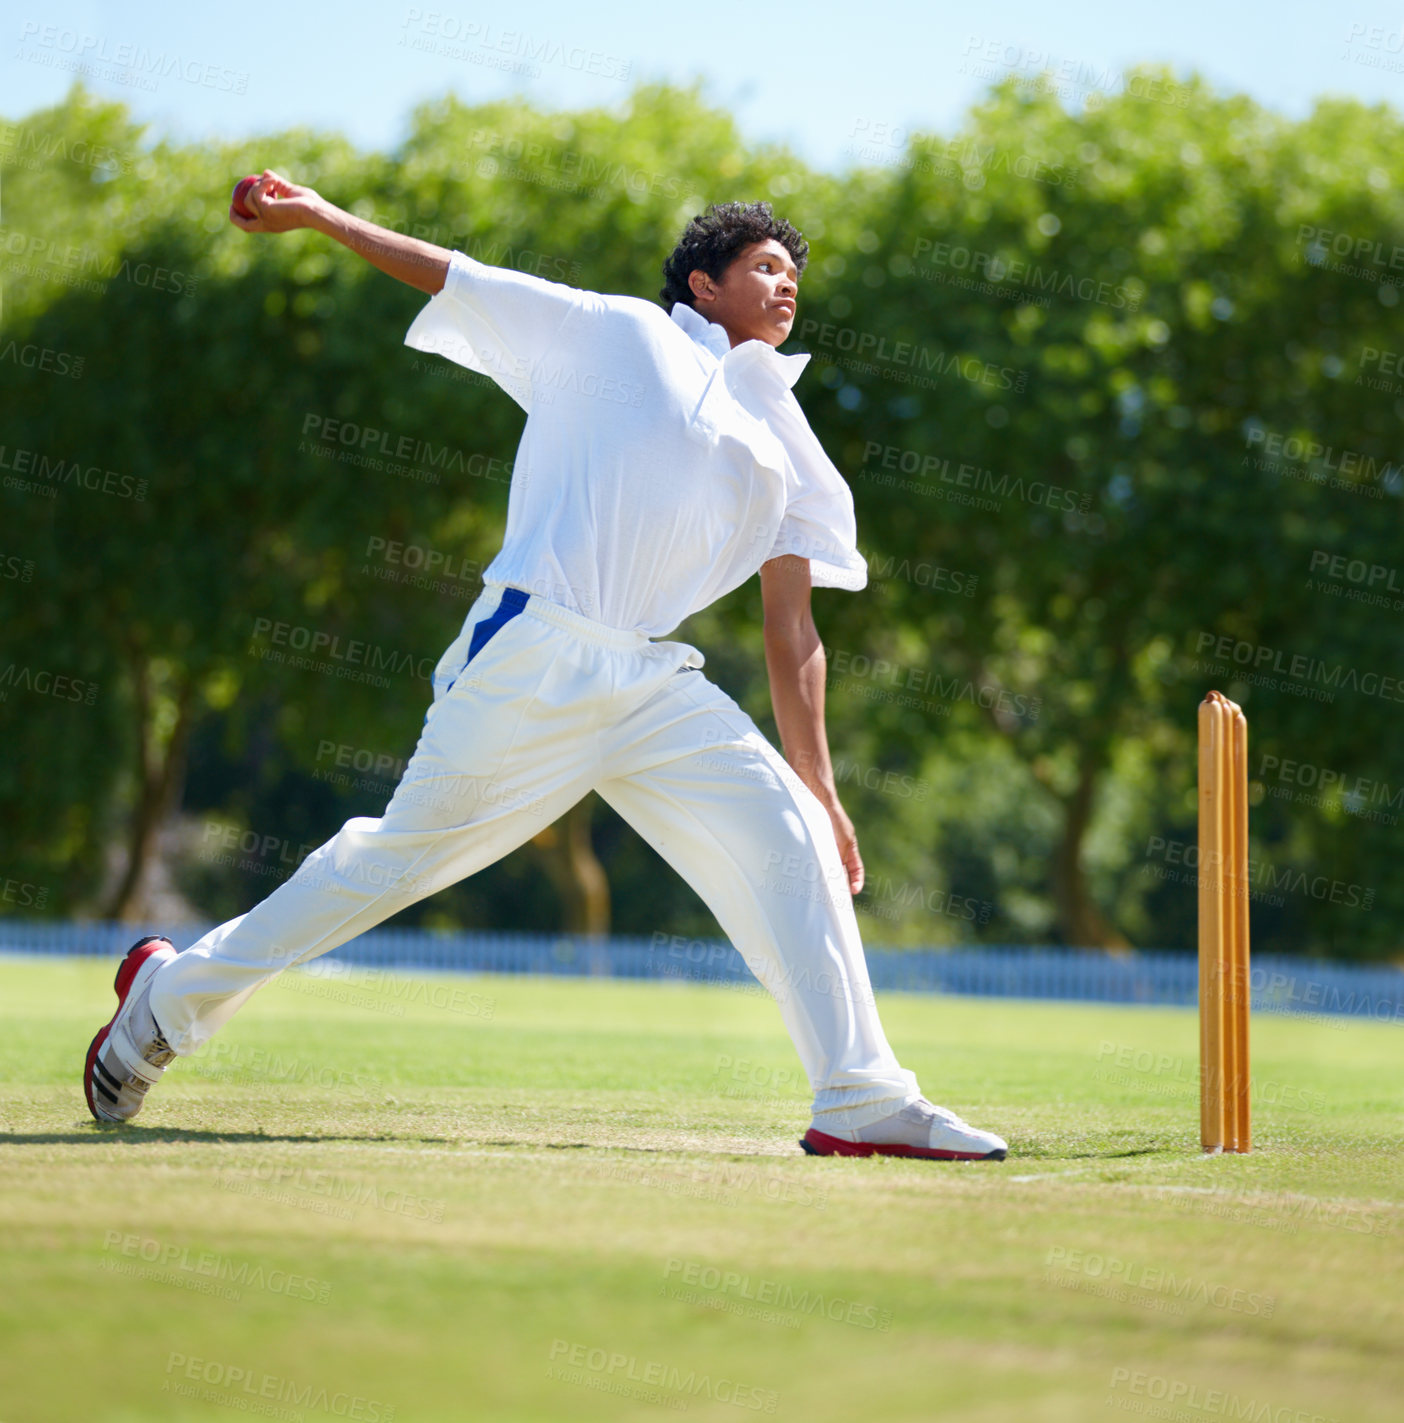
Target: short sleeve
[(496, 321), (819, 523)]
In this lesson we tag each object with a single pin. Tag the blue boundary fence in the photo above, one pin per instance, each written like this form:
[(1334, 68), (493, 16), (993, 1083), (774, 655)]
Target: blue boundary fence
[(1152, 977)]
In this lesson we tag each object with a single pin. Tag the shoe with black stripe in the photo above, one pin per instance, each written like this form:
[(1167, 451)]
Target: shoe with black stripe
[(128, 1056), (920, 1129)]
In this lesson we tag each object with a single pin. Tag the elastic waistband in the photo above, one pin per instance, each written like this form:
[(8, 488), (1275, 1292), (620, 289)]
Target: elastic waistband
[(582, 627)]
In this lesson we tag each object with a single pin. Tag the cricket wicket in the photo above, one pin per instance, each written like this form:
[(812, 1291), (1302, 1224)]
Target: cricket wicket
[(1223, 926)]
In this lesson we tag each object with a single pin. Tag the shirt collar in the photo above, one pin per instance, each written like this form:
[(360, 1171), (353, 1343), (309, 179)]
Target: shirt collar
[(712, 337)]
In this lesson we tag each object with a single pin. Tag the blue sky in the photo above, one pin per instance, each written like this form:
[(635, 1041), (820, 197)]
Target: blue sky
[(819, 76)]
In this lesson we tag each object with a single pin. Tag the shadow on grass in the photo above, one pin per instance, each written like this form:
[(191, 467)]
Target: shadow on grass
[(103, 1135), (1113, 1155), (1031, 1153)]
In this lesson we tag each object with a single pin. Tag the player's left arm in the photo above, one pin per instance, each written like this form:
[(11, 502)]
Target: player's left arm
[(794, 661)]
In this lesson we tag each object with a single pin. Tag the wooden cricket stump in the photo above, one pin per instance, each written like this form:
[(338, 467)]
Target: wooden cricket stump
[(1223, 926)]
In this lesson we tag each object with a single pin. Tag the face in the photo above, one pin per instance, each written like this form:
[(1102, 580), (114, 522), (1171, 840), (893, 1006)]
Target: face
[(754, 299)]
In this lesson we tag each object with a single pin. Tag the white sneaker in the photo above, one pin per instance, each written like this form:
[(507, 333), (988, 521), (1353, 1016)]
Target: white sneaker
[(919, 1129), (129, 1055)]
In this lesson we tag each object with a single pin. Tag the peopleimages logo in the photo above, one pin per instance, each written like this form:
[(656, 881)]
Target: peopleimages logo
[(1298, 667), (610, 1371), (697, 1275), (46, 472), (251, 1390), (1215, 1402), (270, 635), (907, 356)]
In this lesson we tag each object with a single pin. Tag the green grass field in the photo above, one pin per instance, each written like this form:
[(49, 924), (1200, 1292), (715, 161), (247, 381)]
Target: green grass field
[(516, 1198)]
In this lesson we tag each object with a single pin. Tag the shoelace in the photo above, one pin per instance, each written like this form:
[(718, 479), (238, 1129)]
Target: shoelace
[(943, 1114), (159, 1053)]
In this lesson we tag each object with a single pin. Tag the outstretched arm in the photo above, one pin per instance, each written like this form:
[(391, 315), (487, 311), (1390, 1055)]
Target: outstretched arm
[(794, 660), (282, 206)]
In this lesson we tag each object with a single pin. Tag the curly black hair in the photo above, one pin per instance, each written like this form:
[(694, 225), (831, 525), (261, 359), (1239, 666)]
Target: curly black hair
[(712, 240)]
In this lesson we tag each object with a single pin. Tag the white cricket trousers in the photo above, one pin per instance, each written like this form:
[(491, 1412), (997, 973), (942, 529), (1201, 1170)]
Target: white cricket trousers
[(534, 706)]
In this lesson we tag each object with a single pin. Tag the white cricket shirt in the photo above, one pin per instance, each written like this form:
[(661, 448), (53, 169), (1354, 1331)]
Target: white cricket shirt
[(659, 467)]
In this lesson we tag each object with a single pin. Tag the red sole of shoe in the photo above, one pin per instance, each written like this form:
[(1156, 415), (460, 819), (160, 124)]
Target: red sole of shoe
[(127, 971), (818, 1143), (93, 1047)]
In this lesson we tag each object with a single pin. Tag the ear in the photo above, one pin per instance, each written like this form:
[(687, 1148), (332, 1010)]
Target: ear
[(701, 285)]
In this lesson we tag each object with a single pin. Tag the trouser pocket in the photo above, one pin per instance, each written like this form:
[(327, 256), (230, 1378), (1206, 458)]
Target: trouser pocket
[(479, 627)]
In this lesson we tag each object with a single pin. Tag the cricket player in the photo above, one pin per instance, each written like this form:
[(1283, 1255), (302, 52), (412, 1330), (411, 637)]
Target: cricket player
[(663, 463)]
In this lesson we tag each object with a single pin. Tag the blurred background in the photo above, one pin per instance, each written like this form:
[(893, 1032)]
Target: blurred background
[(1104, 317)]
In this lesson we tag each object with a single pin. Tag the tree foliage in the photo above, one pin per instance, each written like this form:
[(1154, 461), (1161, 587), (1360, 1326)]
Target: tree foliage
[(1118, 393)]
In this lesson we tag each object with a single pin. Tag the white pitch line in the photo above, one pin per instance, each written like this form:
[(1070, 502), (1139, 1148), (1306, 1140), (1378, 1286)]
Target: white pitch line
[(1085, 1170)]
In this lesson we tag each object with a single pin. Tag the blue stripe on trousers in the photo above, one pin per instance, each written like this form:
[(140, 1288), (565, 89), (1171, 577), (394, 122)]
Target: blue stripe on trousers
[(512, 602)]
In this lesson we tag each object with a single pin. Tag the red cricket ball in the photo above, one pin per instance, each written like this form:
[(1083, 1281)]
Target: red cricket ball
[(241, 188)]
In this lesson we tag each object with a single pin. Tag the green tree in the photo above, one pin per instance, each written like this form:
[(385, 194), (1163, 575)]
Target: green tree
[(1118, 393), (1138, 270)]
